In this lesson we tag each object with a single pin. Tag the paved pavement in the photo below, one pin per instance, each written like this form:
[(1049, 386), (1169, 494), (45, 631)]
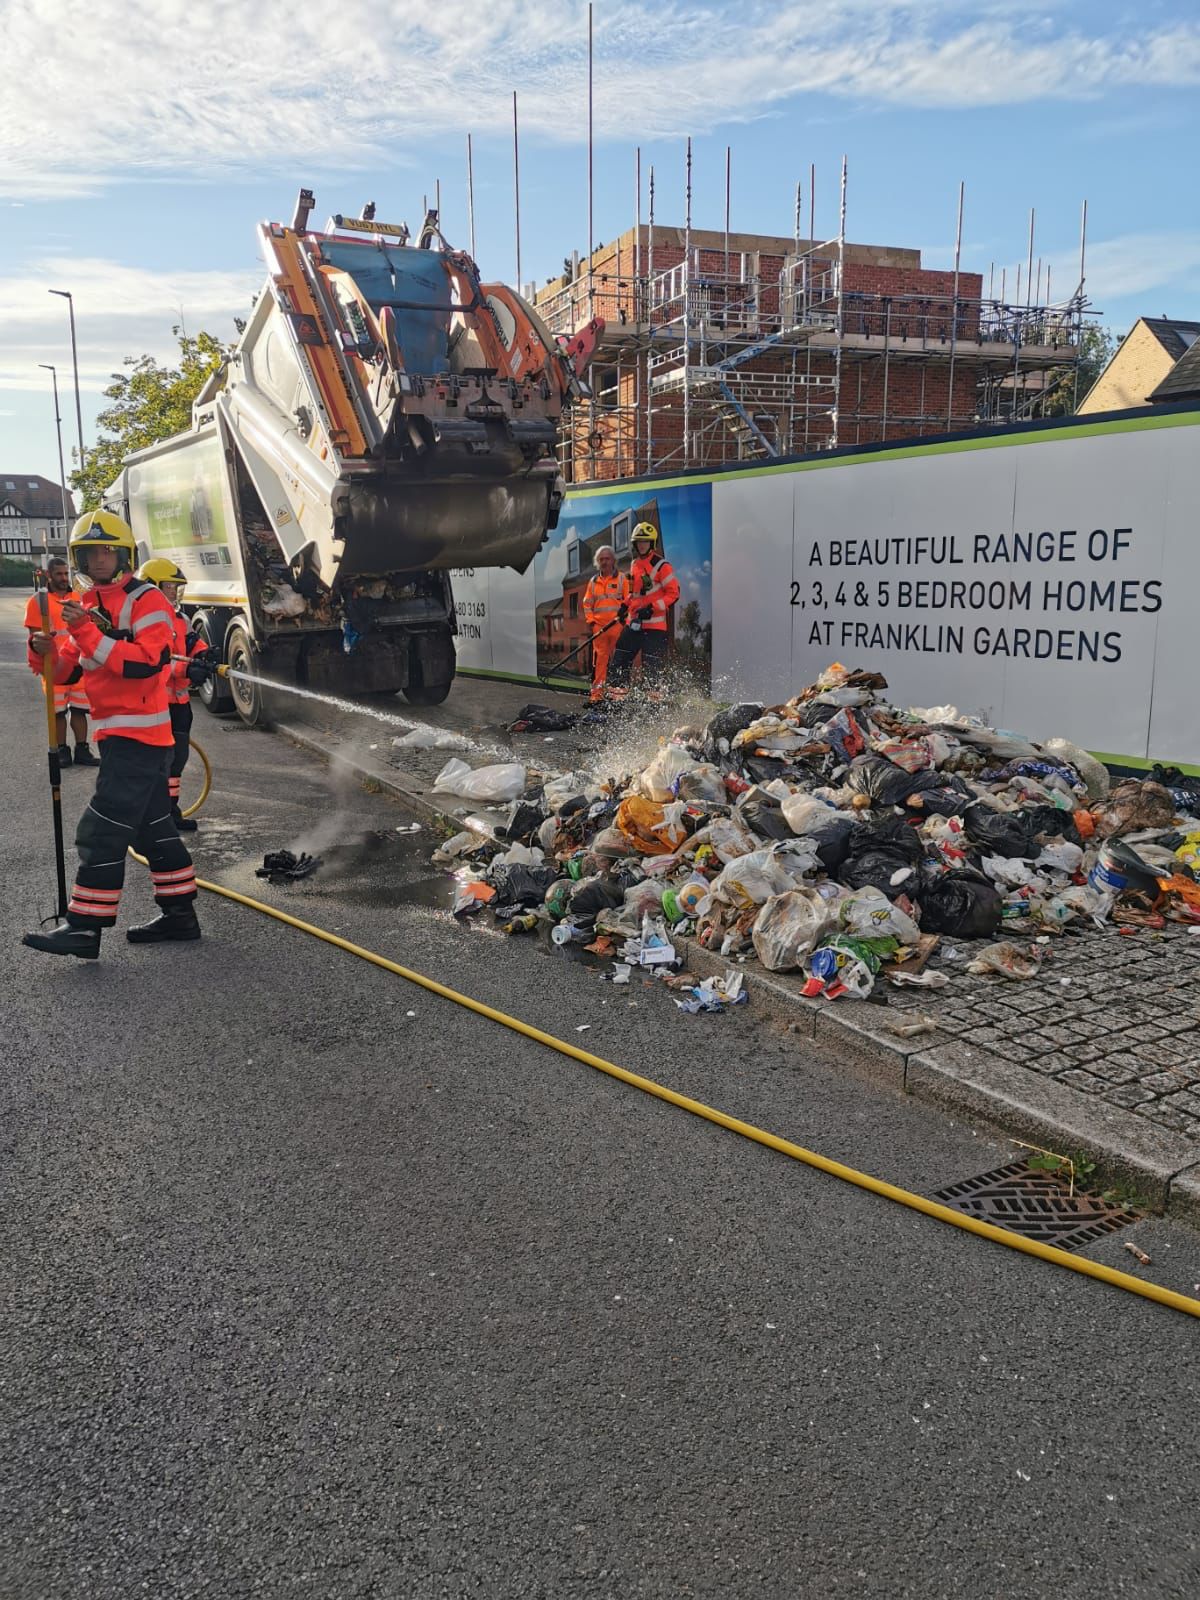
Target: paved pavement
[(304, 1294)]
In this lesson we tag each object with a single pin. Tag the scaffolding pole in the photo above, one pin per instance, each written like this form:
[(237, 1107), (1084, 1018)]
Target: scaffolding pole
[(954, 311), (728, 167), (841, 313), (590, 180), (687, 287), (471, 197), (1078, 329), (639, 361), (650, 330), (517, 191)]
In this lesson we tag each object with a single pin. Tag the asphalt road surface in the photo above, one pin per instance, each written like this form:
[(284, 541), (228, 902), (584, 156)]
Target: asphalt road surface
[(314, 1283)]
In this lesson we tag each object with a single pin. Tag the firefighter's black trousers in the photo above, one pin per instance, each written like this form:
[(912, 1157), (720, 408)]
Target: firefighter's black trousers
[(651, 644), (131, 807), (181, 727)]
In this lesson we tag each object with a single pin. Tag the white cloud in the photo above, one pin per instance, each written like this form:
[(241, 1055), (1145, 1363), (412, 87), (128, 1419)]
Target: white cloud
[(119, 310), (1132, 264), (225, 87)]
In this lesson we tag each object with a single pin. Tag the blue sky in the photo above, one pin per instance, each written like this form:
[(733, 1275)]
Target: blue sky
[(139, 144)]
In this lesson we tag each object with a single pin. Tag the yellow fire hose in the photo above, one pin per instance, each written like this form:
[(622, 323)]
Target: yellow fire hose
[(697, 1108), (205, 787)]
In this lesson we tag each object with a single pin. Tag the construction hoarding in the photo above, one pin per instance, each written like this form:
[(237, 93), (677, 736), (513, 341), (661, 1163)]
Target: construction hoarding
[(1045, 577)]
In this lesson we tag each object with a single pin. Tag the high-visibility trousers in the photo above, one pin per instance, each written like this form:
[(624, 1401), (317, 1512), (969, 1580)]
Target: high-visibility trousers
[(602, 652), (69, 697)]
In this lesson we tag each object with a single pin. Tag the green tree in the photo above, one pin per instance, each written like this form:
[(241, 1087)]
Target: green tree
[(149, 402), (688, 625), (1096, 348)]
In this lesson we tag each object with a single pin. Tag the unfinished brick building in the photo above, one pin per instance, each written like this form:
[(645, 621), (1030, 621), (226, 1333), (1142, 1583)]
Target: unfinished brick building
[(728, 347)]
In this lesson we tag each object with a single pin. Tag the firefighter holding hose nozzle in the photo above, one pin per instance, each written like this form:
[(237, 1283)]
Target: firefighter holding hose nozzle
[(654, 589)]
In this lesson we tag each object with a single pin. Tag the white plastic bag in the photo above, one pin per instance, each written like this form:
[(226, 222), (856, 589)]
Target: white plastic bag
[(1007, 871), (803, 814), (869, 914), (559, 790), (1060, 855), (281, 600), (432, 739), (505, 781), (788, 926), (755, 877), (657, 782), (729, 837), (1094, 773)]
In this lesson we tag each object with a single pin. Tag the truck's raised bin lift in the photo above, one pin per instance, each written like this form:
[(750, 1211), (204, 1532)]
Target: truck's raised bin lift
[(385, 418)]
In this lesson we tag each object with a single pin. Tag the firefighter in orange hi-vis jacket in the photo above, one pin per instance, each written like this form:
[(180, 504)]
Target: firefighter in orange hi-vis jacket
[(654, 589), (121, 638), (166, 576)]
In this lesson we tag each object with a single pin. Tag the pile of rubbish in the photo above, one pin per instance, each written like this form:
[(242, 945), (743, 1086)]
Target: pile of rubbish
[(836, 835)]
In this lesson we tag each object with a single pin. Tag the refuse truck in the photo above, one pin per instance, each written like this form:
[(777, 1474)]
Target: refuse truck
[(384, 418)]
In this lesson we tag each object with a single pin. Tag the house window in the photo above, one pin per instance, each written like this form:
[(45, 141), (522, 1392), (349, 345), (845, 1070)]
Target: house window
[(608, 389), (573, 559), (574, 606), (620, 532)]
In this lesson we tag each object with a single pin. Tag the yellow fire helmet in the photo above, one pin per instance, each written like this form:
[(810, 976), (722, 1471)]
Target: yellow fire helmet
[(101, 528), (644, 530), (158, 570)]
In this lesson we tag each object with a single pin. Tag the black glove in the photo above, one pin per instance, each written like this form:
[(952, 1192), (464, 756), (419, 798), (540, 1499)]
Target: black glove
[(201, 668), (622, 614)]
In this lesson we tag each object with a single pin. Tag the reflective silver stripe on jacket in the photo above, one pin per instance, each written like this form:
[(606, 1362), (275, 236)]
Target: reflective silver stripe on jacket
[(131, 594), (98, 656), (149, 620), (146, 719)]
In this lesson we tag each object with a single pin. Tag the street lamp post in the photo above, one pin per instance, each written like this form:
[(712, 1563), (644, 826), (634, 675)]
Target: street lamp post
[(66, 295), (58, 427)]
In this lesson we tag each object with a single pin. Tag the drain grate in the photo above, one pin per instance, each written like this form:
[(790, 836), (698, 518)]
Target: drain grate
[(1035, 1205)]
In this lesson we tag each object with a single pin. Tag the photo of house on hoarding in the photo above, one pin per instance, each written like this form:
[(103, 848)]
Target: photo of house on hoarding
[(562, 568)]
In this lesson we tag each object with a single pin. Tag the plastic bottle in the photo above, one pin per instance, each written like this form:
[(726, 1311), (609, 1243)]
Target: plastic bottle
[(569, 932), (526, 923), (690, 894), (557, 897)]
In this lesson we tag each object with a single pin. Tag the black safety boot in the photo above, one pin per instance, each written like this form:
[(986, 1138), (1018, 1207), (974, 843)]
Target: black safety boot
[(84, 756), (181, 924), (182, 824), (64, 755), (67, 939)]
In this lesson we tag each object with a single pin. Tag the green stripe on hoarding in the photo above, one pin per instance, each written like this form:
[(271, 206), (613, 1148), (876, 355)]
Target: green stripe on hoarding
[(1001, 441), (519, 677), (1140, 764)]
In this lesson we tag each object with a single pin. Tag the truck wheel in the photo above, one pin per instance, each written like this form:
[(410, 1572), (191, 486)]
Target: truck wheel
[(427, 694), (213, 694), (248, 699)]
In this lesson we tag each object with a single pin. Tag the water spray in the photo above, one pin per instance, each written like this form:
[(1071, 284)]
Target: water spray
[(351, 707)]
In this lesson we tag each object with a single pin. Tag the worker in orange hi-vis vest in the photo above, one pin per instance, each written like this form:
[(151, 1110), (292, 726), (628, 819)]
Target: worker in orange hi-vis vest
[(607, 591), (70, 697), (654, 589)]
